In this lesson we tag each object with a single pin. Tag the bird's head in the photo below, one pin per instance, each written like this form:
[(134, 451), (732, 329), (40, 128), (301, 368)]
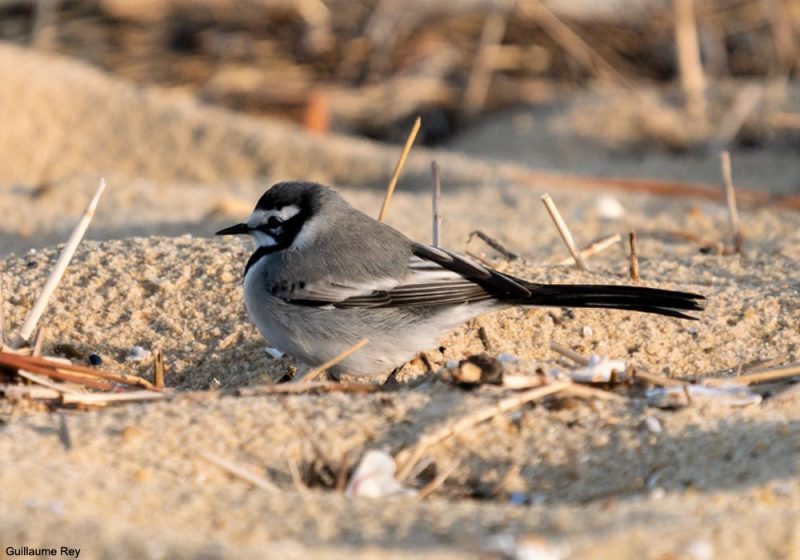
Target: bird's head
[(285, 215)]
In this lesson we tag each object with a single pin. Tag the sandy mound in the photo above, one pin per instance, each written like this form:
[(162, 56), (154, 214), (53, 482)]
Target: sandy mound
[(597, 477)]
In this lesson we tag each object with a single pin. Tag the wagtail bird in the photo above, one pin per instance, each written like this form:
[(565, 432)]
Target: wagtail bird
[(325, 275)]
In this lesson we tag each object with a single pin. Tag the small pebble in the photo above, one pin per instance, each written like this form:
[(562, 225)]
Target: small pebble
[(609, 208), (587, 331), (518, 499), (95, 359), (274, 352), (653, 425), (700, 549), (506, 358)]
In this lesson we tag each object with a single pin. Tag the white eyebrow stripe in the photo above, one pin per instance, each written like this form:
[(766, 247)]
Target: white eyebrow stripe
[(262, 216)]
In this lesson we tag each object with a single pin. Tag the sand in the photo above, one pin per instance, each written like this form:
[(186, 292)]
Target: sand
[(596, 482)]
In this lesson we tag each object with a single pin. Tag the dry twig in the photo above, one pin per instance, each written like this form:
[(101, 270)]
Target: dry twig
[(44, 382), (398, 168), (564, 231), (107, 398), (634, 267), (480, 77), (312, 374), (745, 103), (594, 248), (571, 354), (730, 199), (437, 482), (785, 372), (691, 68), (158, 369), (14, 360), (38, 341), (493, 243), (61, 265)]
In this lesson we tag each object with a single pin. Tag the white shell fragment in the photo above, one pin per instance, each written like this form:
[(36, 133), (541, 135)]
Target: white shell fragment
[(529, 547), (675, 397), (274, 352), (374, 478), (137, 354), (609, 208), (652, 424), (599, 370)]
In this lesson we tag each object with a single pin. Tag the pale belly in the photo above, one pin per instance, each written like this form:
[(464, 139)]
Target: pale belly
[(314, 335)]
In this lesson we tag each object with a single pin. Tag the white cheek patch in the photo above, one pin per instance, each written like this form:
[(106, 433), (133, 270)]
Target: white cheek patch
[(305, 236), (264, 239)]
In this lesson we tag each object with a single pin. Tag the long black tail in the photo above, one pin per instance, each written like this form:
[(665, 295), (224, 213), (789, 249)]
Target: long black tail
[(632, 298)]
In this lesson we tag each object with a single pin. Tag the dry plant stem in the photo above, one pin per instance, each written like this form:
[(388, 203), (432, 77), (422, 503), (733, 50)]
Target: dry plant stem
[(319, 370), (306, 387), (480, 77), (297, 478), (437, 482), (745, 103), (493, 243), (786, 372), (61, 376), (782, 119), (783, 33), (570, 41), (107, 398), (43, 34), (38, 341), (730, 199), (436, 204), (634, 267), (409, 457), (30, 392), (61, 265), (239, 472), (341, 474), (158, 367), (13, 360), (691, 69), (398, 168), (484, 336), (570, 354), (594, 248), (44, 382), (653, 379), (563, 230)]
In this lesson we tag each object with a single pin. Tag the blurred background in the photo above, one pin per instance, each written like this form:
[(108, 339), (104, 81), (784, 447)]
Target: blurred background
[(613, 88)]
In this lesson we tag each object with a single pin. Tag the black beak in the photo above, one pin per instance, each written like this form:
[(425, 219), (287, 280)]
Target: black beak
[(238, 229)]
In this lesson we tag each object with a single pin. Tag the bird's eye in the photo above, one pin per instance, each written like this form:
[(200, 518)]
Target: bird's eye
[(274, 222)]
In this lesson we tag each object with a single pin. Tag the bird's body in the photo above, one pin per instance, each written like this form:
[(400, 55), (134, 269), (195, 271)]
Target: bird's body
[(325, 276)]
